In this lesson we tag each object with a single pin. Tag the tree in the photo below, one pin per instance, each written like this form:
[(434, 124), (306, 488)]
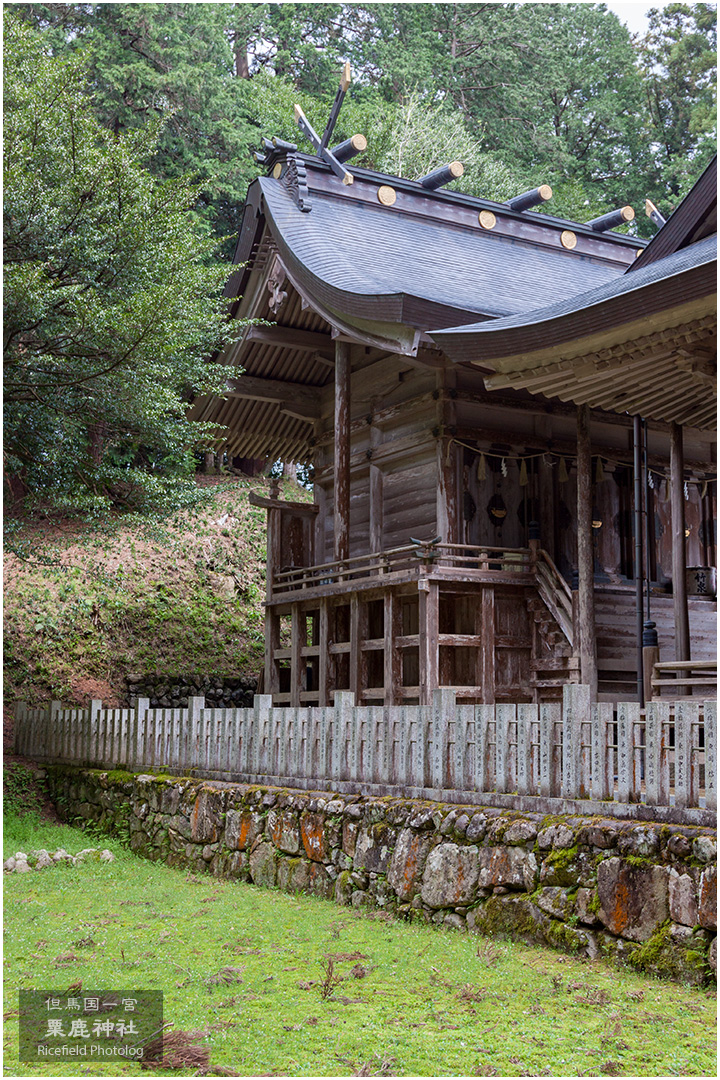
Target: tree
[(179, 63), (679, 61), (112, 303)]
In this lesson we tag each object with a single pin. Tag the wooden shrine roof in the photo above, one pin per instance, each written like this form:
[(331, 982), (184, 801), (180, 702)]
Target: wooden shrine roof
[(426, 260), (378, 262), (694, 219), (642, 344)]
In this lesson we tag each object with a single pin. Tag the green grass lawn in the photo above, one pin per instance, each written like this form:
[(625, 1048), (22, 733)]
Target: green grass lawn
[(411, 1000)]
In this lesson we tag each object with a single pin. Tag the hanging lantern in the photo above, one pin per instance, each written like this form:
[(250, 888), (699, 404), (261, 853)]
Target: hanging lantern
[(523, 473)]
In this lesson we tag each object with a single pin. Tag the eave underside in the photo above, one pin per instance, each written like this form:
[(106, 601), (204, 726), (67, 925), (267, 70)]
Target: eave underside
[(666, 373)]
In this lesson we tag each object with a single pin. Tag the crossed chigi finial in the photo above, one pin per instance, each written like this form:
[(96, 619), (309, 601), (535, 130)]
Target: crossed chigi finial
[(321, 144)]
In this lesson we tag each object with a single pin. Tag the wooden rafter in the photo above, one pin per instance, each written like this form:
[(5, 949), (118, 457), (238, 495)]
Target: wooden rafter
[(294, 399)]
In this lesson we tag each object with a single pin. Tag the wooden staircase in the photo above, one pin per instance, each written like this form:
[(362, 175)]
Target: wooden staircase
[(553, 662)]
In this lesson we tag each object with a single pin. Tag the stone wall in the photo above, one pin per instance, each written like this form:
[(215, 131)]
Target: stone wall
[(173, 691), (643, 894)]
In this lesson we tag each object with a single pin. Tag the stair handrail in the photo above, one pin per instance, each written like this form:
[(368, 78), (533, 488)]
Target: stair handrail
[(554, 592)]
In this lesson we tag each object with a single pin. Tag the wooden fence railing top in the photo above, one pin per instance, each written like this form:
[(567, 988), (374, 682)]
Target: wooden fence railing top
[(571, 757)]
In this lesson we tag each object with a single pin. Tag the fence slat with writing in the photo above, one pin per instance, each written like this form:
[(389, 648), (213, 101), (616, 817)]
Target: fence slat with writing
[(601, 784), (504, 717), (484, 717), (526, 717), (710, 721)]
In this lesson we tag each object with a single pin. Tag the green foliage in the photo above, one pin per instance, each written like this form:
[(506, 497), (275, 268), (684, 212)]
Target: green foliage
[(111, 302), (521, 93), (22, 793), (178, 63), (679, 61)]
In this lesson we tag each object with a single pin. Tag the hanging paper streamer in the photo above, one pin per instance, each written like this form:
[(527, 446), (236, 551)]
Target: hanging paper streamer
[(481, 473), (686, 491), (599, 474), (523, 473), (651, 481), (503, 467), (667, 489), (562, 472)]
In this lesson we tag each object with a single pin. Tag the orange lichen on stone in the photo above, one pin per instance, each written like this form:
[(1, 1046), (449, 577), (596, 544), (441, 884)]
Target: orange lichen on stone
[(312, 832)]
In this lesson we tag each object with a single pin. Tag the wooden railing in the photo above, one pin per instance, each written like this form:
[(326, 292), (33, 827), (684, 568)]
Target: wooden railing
[(554, 592), (469, 558), (690, 675), (573, 757)]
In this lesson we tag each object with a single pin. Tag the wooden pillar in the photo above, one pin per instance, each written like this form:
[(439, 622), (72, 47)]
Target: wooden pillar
[(272, 642), (342, 451), (586, 587), (272, 621), (320, 554), (376, 509), (298, 638), (356, 653), (272, 562), (391, 667), (428, 639), (677, 507), (324, 655), (448, 514), (376, 494), (488, 645), (546, 497)]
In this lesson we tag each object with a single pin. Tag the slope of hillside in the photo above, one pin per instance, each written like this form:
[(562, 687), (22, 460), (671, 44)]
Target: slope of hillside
[(177, 597)]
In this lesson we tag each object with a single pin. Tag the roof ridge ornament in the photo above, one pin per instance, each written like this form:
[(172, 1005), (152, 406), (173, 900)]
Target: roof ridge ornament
[(320, 144), (294, 178)]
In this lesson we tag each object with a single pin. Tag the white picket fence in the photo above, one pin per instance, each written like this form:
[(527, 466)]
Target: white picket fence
[(576, 750)]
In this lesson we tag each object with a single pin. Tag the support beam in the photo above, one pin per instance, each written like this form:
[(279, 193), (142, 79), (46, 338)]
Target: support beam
[(677, 508), (447, 490), (376, 508), (357, 683), (488, 645), (586, 569), (272, 642), (297, 399), (342, 452), (289, 338), (298, 640)]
